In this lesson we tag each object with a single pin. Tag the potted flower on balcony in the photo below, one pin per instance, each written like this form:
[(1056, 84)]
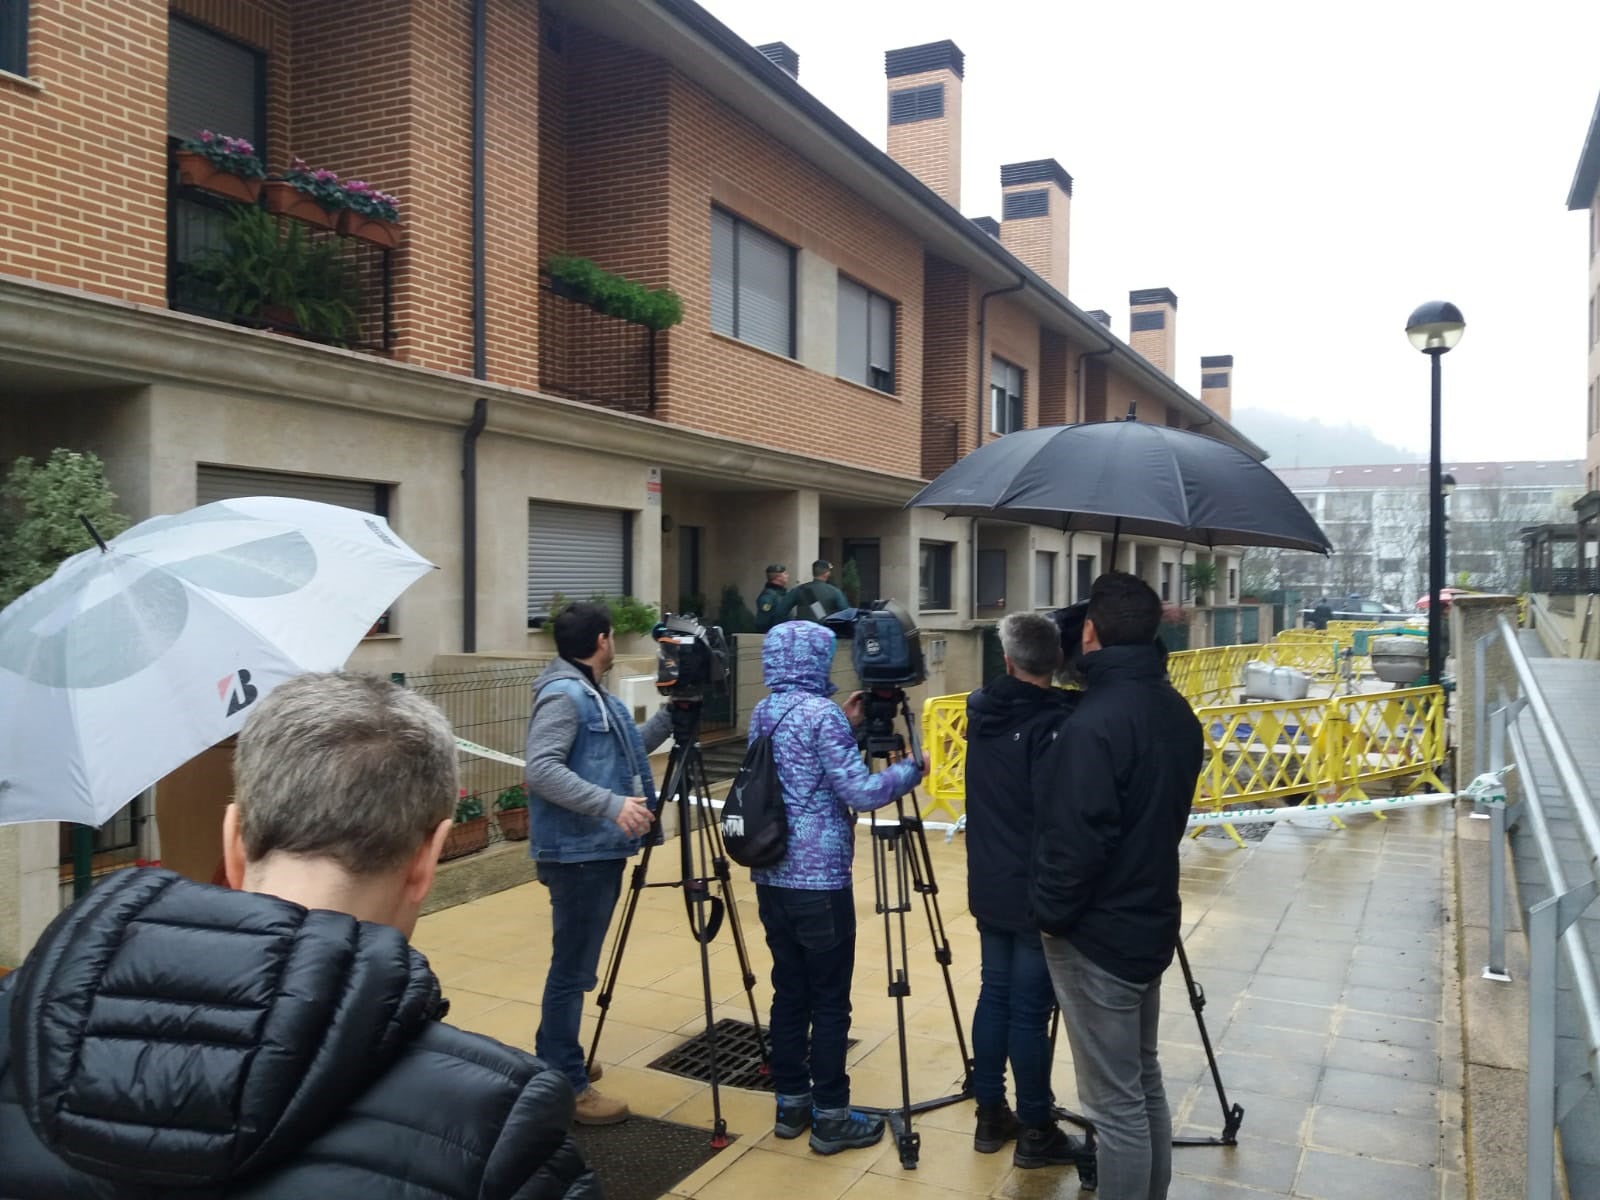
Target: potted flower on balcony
[(224, 166), (511, 813), (470, 833), (314, 197), (370, 215)]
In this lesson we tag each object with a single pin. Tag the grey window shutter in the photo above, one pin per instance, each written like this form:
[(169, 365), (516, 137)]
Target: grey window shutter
[(235, 483), (880, 354), (766, 269), (212, 83), (576, 551), (722, 273), (853, 319)]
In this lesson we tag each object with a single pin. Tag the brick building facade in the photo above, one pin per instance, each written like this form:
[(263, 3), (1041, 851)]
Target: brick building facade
[(847, 333)]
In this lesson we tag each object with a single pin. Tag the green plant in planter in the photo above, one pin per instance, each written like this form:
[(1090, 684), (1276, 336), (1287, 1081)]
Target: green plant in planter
[(588, 283), (234, 155), (628, 613), (735, 615), (468, 808), (513, 798), (1202, 578), (261, 268), (850, 582)]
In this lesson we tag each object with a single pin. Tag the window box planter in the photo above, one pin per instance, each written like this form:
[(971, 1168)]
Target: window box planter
[(198, 171), (286, 200), (375, 230), (513, 824), (466, 837)]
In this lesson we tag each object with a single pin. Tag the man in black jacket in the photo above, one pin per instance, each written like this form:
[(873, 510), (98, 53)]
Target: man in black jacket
[(1010, 723), (167, 1038), (1113, 800)]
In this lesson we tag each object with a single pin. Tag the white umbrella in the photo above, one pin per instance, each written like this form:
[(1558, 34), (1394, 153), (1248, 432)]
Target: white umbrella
[(136, 656)]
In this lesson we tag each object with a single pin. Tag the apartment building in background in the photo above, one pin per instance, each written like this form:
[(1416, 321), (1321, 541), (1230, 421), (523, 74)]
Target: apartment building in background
[(1377, 519), (847, 332)]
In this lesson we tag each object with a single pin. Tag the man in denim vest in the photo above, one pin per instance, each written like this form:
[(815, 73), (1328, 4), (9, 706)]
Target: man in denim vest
[(590, 802)]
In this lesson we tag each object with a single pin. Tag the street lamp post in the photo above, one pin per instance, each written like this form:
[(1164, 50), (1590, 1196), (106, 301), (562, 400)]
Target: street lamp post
[(1435, 328)]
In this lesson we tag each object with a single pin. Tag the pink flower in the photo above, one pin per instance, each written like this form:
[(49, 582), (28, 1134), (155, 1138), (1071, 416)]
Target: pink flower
[(298, 164), (206, 135)]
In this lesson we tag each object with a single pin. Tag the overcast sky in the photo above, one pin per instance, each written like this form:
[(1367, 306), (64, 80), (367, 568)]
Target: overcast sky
[(1302, 176)]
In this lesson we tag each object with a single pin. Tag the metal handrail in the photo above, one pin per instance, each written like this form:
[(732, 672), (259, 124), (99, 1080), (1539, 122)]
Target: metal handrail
[(1551, 921)]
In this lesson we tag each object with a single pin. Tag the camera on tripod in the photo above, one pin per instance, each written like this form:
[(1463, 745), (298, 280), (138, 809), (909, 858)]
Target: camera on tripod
[(691, 658), (885, 644)]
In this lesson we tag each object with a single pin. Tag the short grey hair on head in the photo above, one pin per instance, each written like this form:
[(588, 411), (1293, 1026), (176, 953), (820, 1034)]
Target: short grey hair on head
[(1032, 642), (346, 767)]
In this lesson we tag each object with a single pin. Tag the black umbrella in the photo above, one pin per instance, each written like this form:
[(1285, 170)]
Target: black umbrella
[(1127, 477)]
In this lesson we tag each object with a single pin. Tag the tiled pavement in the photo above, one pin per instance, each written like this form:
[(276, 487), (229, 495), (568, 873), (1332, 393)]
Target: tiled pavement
[(1328, 960)]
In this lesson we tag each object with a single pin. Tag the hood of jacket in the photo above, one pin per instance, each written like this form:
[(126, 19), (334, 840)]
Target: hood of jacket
[(1008, 702), (1111, 664), (177, 1035), (797, 656), (561, 668)]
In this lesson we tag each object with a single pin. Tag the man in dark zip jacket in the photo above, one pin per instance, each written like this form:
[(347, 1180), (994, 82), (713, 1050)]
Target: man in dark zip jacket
[(1113, 798), (1010, 724), (173, 1039)]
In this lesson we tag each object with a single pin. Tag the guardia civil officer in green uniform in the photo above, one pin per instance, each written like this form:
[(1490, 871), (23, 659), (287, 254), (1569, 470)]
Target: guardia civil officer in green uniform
[(776, 601)]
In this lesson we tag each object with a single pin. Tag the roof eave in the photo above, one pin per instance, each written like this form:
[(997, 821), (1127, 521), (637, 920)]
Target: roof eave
[(1586, 179)]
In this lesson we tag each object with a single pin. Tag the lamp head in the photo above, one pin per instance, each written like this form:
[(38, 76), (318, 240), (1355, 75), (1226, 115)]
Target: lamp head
[(1435, 327), (1447, 484)]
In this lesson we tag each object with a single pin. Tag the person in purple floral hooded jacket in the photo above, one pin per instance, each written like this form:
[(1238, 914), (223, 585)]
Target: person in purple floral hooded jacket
[(806, 901)]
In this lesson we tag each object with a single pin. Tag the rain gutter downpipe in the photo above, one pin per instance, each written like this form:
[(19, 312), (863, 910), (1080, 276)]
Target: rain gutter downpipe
[(480, 340), (977, 428), (1083, 377)]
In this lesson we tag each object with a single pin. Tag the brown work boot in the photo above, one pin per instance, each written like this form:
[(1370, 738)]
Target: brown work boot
[(595, 1109)]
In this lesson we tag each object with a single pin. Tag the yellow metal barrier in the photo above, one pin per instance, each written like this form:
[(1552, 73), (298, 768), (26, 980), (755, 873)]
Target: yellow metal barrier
[(1213, 675), (1344, 632), (944, 740), (1325, 748)]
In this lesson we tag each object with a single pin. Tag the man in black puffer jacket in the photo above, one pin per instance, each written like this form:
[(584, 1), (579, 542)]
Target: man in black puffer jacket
[(170, 1039), (1113, 798)]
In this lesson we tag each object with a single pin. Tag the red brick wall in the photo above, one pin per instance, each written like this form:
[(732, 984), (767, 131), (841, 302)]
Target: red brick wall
[(83, 159), (1057, 398), (717, 384), (512, 180), (1013, 334), (949, 382)]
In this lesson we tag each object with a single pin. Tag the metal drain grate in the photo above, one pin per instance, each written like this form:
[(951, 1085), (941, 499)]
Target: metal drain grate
[(739, 1057)]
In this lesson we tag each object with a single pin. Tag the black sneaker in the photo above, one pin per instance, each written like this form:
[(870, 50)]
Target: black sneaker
[(794, 1116), (836, 1129), (1047, 1146), (997, 1125)]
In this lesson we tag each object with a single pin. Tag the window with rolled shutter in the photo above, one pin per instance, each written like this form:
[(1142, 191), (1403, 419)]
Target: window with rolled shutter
[(576, 552), (752, 285), (214, 83), (14, 36)]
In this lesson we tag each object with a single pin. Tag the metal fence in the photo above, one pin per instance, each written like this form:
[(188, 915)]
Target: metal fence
[(593, 357), (488, 707), (1554, 920), (1564, 581)]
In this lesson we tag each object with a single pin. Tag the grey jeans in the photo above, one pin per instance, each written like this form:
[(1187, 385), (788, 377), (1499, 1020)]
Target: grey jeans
[(1112, 1026)]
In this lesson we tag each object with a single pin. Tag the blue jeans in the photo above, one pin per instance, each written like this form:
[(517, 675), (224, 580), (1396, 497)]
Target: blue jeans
[(812, 936), (582, 897), (1012, 1022)]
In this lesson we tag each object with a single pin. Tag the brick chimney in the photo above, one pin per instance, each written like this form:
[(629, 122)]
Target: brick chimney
[(988, 224), (1153, 326), (1036, 199), (782, 54), (1101, 315), (1216, 384), (925, 114)]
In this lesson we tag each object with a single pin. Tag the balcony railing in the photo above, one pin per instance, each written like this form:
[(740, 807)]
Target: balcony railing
[(197, 227), (1564, 581), (587, 355)]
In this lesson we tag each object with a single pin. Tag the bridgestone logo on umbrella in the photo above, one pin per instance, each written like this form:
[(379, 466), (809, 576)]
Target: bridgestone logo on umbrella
[(240, 697)]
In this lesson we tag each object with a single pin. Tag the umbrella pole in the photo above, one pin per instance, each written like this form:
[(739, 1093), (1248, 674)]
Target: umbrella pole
[(82, 860)]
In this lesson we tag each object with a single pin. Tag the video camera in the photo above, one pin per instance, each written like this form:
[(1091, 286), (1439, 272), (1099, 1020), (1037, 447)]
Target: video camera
[(885, 644), (691, 658)]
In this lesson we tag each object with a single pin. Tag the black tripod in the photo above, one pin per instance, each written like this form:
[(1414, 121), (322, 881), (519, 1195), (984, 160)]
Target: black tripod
[(1232, 1115), (902, 866), (703, 861)]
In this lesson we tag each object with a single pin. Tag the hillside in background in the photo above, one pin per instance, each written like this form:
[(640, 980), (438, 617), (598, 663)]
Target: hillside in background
[(1306, 442)]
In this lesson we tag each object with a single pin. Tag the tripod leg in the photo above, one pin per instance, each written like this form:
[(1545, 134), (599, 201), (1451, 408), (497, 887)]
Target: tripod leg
[(692, 822), (724, 875), (1232, 1116), (636, 886), (908, 1141), (923, 881)]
